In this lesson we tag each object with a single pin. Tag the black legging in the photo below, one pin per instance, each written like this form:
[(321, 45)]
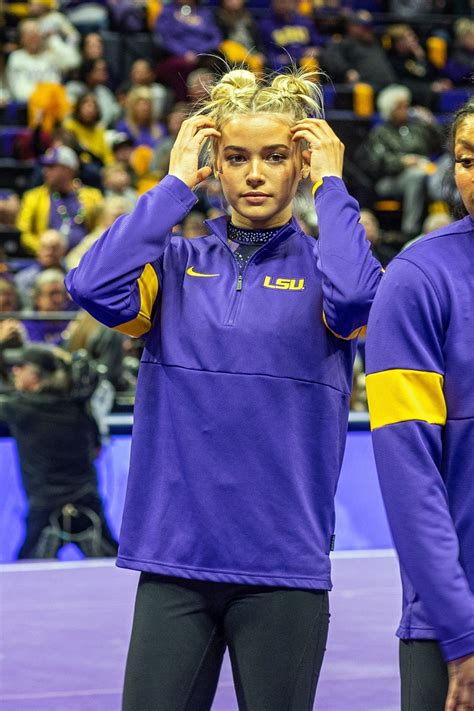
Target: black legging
[(424, 676), (181, 628)]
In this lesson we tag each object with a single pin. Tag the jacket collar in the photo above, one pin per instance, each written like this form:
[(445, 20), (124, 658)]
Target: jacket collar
[(218, 227)]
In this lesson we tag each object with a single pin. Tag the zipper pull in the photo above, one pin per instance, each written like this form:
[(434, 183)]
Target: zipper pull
[(239, 283)]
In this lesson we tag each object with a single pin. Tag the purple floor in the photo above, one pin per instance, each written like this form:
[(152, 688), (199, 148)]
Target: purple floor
[(65, 628)]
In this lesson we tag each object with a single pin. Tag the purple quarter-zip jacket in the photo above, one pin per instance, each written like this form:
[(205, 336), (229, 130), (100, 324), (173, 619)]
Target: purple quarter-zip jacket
[(243, 392), (420, 383)]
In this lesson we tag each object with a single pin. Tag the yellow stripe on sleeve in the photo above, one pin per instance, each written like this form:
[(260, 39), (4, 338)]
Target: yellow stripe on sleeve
[(361, 331), (148, 287), (402, 395), (316, 186)]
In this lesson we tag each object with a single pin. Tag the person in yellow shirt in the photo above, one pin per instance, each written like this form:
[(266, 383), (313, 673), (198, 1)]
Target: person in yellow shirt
[(85, 124), (60, 203)]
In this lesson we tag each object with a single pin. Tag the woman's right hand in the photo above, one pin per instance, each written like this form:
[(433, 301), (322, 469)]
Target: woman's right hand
[(184, 157)]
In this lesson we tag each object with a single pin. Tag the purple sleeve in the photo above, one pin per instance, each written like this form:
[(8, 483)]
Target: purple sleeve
[(350, 272), (405, 360), (106, 281)]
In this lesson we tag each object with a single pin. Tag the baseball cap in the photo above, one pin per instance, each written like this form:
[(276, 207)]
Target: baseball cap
[(61, 155), (121, 139), (362, 18)]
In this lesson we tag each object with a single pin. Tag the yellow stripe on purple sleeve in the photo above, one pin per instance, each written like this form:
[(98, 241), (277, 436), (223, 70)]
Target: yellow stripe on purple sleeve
[(316, 186), (402, 395), (148, 288), (361, 331)]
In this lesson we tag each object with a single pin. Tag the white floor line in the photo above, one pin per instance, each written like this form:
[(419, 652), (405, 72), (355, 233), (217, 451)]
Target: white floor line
[(375, 553), (110, 562), (59, 694), (57, 565)]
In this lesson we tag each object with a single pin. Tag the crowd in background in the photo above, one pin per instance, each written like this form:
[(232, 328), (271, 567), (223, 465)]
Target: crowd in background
[(93, 95)]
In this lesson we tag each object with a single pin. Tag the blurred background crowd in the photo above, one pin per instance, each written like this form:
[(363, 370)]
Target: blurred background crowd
[(93, 93)]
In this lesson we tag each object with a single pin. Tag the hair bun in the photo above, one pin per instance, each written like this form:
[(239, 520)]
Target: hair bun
[(292, 85), (234, 85)]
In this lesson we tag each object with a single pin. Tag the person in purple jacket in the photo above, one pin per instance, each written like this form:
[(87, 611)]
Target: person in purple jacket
[(288, 37), (242, 398), (188, 33), (420, 385)]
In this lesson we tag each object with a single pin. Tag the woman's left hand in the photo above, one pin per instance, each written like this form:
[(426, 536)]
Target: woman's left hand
[(325, 154)]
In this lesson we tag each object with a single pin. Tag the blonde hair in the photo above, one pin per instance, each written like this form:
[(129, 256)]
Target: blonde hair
[(295, 93), (462, 28), (133, 96)]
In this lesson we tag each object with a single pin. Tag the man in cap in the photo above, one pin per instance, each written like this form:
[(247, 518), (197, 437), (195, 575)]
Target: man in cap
[(57, 440), (359, 56), (61, 202)]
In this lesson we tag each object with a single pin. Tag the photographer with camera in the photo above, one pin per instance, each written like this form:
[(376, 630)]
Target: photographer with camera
[(57, 439)]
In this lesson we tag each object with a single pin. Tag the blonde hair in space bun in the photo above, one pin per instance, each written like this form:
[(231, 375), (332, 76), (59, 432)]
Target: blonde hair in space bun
[(295, 93)]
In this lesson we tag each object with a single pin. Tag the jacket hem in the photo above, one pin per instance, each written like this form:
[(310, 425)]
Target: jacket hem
[(224, 576), (415, 632)]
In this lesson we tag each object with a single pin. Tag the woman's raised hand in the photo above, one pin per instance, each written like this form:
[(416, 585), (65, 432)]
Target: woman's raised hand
[(184, 157), (325, 154)]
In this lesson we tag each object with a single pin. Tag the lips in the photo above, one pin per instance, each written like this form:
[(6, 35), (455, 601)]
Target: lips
[(255, 198)]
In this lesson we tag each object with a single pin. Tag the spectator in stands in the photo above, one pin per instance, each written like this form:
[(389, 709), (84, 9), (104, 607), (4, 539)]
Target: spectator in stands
[(140, 122), (198, 83), (174, 120), (93, 78), (117, 183), (397, 154), (412, 8), (49, 295), (85, 125), (241, 41), (40, 59), (412, 66), (359, 56), (87, 15), (142, 75), (287, 36), (9, 209), (460, 66), (12, 332), (92, 46), (381, 251), (57, 440), (110, 208), (9, 298), (51, 252), (185, 30), (52, 22), (61, 202)]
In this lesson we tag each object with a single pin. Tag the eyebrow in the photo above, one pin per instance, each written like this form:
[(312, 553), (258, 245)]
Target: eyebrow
[(465, 144), (265, 148)]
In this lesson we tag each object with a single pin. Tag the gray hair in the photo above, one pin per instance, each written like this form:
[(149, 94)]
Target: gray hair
[(48, 276), (390, 97)]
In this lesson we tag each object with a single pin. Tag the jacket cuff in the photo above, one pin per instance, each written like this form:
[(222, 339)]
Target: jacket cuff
[(178, 190), (458, 647)]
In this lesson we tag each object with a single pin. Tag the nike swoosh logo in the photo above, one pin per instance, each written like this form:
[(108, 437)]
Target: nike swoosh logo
[(190, 272)]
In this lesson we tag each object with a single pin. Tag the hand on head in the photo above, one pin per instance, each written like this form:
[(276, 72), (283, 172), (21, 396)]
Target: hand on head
[(325, 152), (461, 684), (184, 157)]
